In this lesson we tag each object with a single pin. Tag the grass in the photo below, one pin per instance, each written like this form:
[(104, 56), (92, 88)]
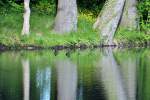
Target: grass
[(133, 37), (42, 31)]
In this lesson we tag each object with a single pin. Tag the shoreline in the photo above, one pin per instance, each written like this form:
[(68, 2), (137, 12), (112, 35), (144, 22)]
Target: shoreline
[(81, 46)]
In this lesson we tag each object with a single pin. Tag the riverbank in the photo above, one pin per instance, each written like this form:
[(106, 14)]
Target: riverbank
[(82, 46), (43, 37)]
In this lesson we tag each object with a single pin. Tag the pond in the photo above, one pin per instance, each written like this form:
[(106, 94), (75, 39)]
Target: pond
[(97, 74)]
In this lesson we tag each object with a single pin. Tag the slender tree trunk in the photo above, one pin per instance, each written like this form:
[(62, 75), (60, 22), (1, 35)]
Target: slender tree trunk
[(66, 18), (26, 22), (108, 20), (130, 16)]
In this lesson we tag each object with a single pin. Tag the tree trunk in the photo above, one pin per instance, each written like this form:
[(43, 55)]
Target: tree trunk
[(130, 16), (108, 20), (66, 18), (26, 22), (116, 13)]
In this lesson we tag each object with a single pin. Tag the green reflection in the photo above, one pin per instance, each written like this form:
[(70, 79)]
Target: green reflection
[(107, 74)]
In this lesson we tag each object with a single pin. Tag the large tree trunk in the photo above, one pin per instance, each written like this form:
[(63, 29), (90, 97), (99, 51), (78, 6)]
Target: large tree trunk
[(108, 20), (66, 18), (130, 16), (122, 13), (26, 22)]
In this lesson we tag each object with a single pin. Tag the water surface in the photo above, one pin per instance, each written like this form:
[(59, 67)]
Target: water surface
[(100, 74)]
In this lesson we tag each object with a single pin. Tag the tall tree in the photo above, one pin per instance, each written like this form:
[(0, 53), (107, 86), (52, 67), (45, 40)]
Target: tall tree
[(26, 22), (108, 19), (116, 13), (66, 18)]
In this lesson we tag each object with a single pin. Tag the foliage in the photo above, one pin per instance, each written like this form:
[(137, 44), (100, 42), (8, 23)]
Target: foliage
[(144, 12), (43, 15), (93, 6), (10, 28), (45, 7), (134, 36)]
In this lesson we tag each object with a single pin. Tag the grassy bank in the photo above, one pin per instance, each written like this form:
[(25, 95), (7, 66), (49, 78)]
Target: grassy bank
[(42, 34), (132, 38)]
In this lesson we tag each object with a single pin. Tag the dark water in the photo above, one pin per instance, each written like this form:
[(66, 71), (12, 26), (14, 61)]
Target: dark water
[(101, 74)]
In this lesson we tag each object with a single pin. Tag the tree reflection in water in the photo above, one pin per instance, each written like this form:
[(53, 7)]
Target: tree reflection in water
[(26, 79), (111, 76), (43, 80), (66, 80), (119, 79), (120, 75)]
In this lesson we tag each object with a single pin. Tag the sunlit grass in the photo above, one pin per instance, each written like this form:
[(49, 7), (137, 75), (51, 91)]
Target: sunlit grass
[(42, 34), (134, 36), (41, 31)]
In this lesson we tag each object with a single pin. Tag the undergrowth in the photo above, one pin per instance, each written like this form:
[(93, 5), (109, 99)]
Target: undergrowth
[(41, 32)]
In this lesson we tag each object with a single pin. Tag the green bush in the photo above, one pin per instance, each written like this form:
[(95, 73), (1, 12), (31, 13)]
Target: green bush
[(93, 6), (45, 7), (144, 12)]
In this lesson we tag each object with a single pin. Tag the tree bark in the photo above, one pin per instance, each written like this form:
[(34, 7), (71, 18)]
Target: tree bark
[(66, 18), (116, 13), (26, 22), (130, 16), (108, 20)]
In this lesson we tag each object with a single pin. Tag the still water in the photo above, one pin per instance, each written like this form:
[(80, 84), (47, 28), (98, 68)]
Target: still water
[(100, 74)]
